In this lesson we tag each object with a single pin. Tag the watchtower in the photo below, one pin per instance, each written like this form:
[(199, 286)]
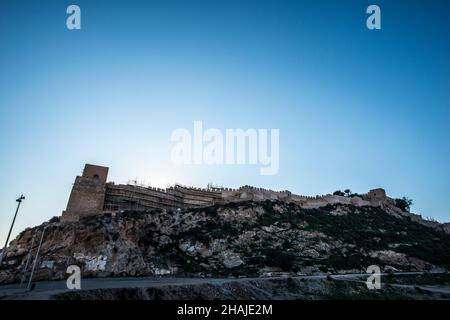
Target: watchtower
[(377, 194), (88, 193)]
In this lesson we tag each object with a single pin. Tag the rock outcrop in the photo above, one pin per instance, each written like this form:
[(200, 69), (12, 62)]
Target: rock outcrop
[(250, 238)]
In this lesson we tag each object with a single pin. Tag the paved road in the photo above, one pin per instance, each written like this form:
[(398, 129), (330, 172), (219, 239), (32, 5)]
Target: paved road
[(45, 289)]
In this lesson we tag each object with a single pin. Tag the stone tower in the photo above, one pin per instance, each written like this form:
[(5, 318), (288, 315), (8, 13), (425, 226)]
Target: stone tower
[(88, 193), (377, 194)]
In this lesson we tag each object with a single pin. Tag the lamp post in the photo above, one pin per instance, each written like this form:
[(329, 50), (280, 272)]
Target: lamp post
[(19, 200), (30, 281)]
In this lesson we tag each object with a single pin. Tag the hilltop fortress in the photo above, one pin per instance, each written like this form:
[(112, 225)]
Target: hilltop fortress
[(92, 194)]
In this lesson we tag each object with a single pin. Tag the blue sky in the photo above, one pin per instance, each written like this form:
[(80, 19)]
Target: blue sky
[(356, 108)]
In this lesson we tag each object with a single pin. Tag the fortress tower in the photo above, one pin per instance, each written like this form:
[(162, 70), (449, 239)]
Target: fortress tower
[(88, 193), (377, 194)]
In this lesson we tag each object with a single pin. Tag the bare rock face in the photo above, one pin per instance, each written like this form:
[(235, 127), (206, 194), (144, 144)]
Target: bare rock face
[(236, 239)]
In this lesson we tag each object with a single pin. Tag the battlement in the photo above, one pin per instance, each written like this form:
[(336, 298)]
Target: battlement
[(92, 195)]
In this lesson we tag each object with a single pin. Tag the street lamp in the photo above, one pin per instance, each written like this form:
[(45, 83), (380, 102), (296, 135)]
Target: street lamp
[(19, 201)]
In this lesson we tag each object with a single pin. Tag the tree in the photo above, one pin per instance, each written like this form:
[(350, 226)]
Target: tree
[(347, 192), (338, 193), (403, 203)]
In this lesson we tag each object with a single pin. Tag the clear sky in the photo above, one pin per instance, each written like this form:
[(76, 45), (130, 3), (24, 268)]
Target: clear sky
[(356, 108)]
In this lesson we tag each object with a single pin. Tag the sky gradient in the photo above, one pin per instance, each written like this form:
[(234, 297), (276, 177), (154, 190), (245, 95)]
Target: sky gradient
[(356, 108)]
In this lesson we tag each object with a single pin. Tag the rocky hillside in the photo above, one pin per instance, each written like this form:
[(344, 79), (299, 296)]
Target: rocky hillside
[(237, 239)]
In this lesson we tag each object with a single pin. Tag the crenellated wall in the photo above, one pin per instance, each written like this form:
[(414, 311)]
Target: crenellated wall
[(92, 195)]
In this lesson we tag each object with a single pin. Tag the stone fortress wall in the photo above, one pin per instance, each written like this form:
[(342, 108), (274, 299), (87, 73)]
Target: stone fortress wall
[(92, 194)]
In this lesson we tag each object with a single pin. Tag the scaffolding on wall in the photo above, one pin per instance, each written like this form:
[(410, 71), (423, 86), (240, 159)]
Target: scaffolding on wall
[(136, 197)]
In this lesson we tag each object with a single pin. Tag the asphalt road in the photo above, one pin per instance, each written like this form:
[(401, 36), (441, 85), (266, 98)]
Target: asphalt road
[(45, 289)]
